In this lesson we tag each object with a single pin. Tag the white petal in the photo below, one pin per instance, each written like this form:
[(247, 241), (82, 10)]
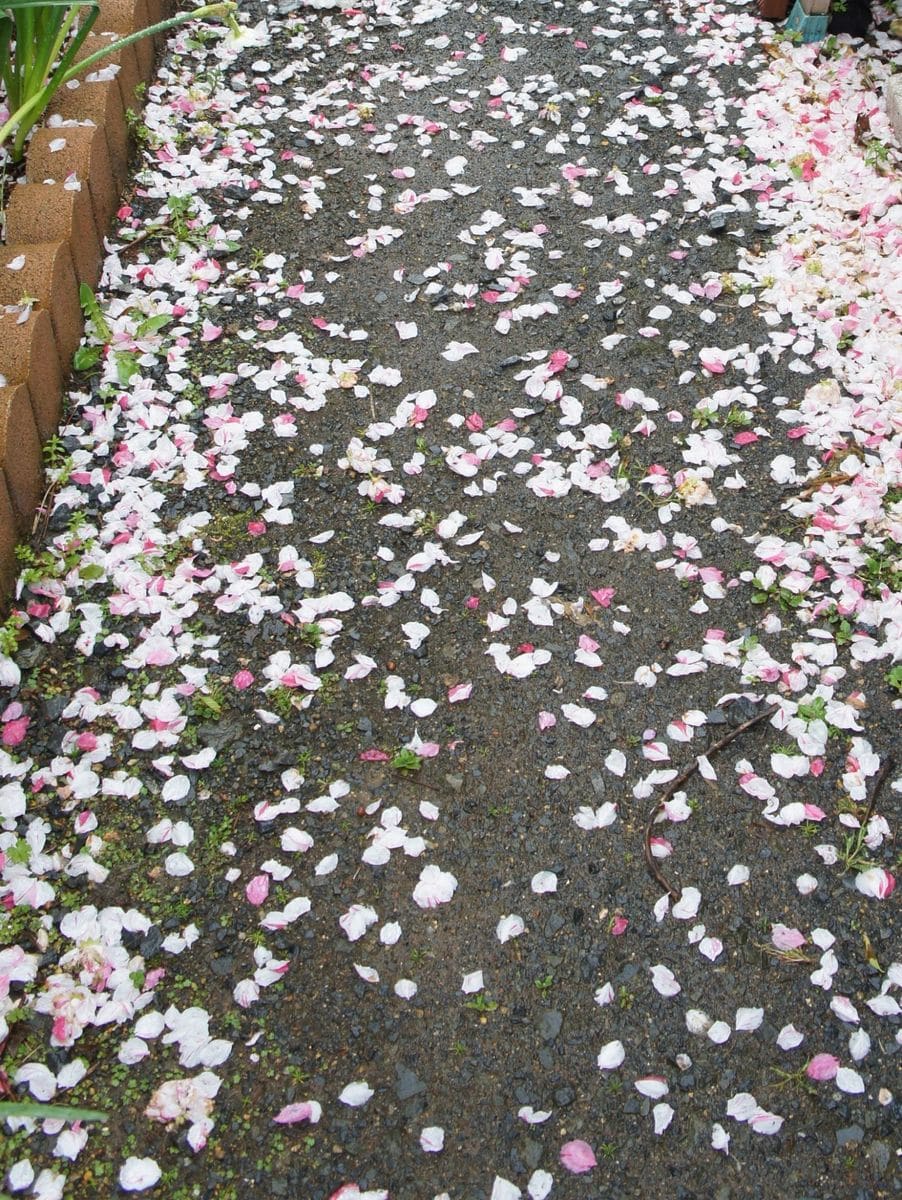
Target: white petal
[(509, 927), (544, 881), (687, 905), (663, 1115), (355, 1095), (138, 1174), (540, 1184), (434, 887), (849, 1081), (748, 1019), (652, 1086), (611, 1056), (664, 981), (432, 1139), (472, 982)]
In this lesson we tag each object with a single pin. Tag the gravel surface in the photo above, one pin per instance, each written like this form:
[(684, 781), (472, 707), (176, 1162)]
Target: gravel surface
[(494, 415)]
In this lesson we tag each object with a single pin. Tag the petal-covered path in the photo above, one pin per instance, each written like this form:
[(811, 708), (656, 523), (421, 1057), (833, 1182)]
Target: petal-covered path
[(491, 414)]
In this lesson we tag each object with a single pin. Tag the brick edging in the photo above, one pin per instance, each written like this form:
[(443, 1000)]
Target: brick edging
[(56, 221)]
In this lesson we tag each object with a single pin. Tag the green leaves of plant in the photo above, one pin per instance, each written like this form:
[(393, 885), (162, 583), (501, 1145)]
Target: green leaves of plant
[(41, 1112)]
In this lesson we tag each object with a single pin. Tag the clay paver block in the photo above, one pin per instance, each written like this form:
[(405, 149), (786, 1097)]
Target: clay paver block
[(894, 105), (79, 151), (128, 75), (20, 455), (43, 273), (100, 103), (123, 17), (57, 212), (28, 354), (8, 539)]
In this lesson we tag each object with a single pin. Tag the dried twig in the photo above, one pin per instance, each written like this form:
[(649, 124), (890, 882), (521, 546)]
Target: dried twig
[(831, 479), (879, 781), (684, 776)]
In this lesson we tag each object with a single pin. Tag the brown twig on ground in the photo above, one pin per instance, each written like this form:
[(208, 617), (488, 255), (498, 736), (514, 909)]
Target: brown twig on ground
[(828, 480), (128, 244), (879, 781), (684, 776)]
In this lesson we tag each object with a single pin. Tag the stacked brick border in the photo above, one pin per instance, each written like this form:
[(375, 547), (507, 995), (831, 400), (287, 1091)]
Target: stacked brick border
[(76, 169)]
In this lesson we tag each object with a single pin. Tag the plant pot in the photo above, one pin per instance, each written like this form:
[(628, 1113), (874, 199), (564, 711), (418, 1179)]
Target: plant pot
[(773, 10), (815, 8)]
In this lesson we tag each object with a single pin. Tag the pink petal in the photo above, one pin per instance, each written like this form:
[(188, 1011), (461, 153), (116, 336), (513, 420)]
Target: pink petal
[(291, 1114), (822, 1066), (14, 731), (258, 889), (577, 1156)]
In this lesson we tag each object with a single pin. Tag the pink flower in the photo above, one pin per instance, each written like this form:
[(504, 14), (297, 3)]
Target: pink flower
[(822, 1067), (603, 596), (258, 889), (785, 938), (619, 926), (306, 1110), (14, 731), (242, 680), (577, 1156)]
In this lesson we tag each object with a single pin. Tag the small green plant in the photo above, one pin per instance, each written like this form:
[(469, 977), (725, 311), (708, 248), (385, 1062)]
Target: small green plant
[(311, 635), (208, 705), (406, 760), (854, 853), (883, 570), (783, 597), (797, 1079), (57, 459), (608, 1150), (814, 709), (283, 701), (481, 1003), (894, 678), (877, 153), (842, 628), (544, 984), (796, 955), (9, 633), (625, 998), (182, 217)]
